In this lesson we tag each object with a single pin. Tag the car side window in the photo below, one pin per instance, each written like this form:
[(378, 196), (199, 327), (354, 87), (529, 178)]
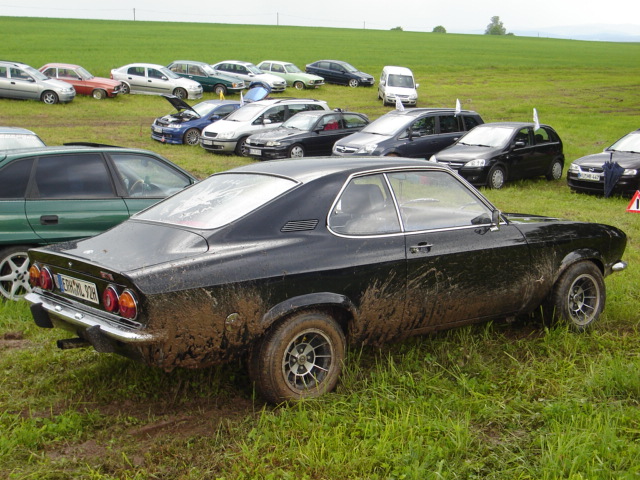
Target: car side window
[(329, 122), (448, 124), (542, 136), (153, 73), (14, 178), (365, 207), (353, 121), (424, 126), (82, 175), (50, 72), (146, 176), (274, 115), (18, 74), (324, 65), (277, 68), (523, 137), (224, 110), (470, 122), (3, 72), (137, 71), (299, 107), (431, 200)]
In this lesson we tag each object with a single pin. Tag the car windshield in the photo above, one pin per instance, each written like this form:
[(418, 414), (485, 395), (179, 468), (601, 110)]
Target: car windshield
[(404, 81), (349, 68), (168, 73), (388, 124), (218, 200), (628, 143), (301, 122), (37, 74), (208, 69), (19, 140), (487, 136), (84, 74), (253, 69), (204, 108), (291, 68), (245, 113)]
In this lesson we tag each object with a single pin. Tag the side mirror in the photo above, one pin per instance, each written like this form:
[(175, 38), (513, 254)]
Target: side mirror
[(519, 144), (495, 220), (417, 85), (163, 78), (383, 83)]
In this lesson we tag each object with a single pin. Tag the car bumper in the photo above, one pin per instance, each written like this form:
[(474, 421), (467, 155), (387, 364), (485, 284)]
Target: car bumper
[(194, 95), (267, 153), (624, 186), (174, 138), (66, 97), (219, 146)]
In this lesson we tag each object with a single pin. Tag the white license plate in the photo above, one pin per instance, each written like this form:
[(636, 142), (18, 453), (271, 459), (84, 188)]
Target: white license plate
[(207, 142), (157, 129), (78, 288), (254, 151), (592, 177)]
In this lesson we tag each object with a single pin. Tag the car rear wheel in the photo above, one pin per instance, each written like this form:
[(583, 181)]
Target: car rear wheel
[(220, 89), (99, 94), (298, 85), (241, 147), (14, 272), (49, 97), (191, 137), (555, 171), (299, 358), (181, 93), (353, 83), (496, 178), (578, 297), (296, 151)]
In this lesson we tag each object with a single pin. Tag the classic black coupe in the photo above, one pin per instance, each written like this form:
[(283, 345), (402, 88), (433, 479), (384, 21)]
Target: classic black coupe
[(289, 261)]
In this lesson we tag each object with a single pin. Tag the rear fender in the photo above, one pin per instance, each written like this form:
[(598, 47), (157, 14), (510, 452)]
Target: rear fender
[(319, 300)]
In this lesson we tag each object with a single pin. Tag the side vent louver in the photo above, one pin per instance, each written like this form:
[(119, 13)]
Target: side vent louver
[(299, 225)]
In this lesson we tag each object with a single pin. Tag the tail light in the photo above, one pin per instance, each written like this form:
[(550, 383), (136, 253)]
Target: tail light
[(128, 305), (124, 304), (111, 300), (40, 277), (34, 275)]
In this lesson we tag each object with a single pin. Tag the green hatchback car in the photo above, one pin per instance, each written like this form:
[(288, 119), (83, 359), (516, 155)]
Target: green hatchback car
[(292, 74), (54, 194), (210, 79)]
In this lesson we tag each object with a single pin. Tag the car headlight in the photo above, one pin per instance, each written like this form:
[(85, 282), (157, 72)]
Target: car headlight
[(478, 162), (630, 171), (227, 135), (573, 168), (237, 85), (369, 148), (173, 125), (273, 143)]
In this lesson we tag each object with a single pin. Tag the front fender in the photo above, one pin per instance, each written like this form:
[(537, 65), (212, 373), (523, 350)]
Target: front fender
[(583, 254)]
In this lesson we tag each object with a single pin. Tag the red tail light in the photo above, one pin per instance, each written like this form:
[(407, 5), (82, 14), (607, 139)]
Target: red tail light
[(45, 281), (128, 305), (110, 299)]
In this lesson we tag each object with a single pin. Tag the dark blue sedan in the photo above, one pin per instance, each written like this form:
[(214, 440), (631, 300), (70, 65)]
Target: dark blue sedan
[(186, 125)]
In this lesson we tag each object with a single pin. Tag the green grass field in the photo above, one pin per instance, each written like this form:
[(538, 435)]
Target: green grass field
[(496, 401)]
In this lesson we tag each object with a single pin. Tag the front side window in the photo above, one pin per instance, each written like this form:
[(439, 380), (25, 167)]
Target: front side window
[(145, 176), (449, 124), (431, 200), (353, 121), (218, 200), (83, 175), (424, 126), (365, 207)]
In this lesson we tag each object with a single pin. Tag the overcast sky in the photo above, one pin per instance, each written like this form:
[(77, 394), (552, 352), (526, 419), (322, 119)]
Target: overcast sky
[(462, 16)]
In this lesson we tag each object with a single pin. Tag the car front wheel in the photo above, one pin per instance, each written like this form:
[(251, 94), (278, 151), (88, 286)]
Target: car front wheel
[(353, 83), (49, 97), (299, 358), (220, 90), (181, 93), (241, 147), (497, 177), (578, 297), (555, 171), (191, 137), (298, 85), (296, 151), (99, 94), (14, 272)]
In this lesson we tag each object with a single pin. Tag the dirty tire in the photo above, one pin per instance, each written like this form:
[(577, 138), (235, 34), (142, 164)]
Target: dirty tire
[(191, 137), (14, 273), (555, 170), (578, 297), (299, 358), (496, 178)]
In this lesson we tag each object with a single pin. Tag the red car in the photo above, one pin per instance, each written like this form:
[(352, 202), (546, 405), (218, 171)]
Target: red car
[(82, 80)]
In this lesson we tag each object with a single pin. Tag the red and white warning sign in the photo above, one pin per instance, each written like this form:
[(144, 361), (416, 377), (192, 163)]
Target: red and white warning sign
[(634, 204)]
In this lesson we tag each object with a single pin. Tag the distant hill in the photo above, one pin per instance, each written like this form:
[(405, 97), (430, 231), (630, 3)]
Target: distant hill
[(595, 32)]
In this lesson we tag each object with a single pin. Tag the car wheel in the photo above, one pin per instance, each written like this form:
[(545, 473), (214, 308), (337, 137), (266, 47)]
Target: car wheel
[(126, 89), (392, 155), (99, 94), (296, 151), (496, 178), (220, 89), (14, 272), (578, 297), (299, 358), (555, 171), (241, 147), (353, 83), (191, 137), (298, 85), (181, 93), (49, 97)]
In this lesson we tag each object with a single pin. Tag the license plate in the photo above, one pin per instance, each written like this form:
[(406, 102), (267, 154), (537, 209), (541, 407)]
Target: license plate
[(157, 129), (207, 142), (592, 177), (78, 288), (254, 151)]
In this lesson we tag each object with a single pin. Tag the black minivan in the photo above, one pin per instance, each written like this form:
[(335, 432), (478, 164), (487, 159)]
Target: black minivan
[(415, 133)]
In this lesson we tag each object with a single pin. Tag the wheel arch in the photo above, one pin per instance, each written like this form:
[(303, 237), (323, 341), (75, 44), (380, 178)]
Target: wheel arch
[(583, 254)]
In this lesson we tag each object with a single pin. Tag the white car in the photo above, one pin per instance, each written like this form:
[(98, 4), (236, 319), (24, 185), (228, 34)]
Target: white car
[(248, 72), (151, 79), (230, 134), (397, 83)]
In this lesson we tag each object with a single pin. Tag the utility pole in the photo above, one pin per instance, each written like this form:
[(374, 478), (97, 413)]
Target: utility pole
[(278, 18), (134, 14)]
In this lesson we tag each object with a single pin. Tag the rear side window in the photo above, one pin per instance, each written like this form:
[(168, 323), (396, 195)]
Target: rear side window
[(138, 71), (73, 176), (448, 124), (14, 178)]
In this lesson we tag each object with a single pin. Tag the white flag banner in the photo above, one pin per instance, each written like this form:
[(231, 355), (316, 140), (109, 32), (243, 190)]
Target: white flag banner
[(241, 99), (458, 107), (399, 105), (535, 119)]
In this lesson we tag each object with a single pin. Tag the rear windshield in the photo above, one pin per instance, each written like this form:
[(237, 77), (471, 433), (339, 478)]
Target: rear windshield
[(218, 200)]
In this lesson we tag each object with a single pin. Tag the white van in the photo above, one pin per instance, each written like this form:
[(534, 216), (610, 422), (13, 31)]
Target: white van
[(397, 82)]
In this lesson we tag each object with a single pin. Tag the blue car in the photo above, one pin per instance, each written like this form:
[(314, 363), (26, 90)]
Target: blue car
[(186, 126)]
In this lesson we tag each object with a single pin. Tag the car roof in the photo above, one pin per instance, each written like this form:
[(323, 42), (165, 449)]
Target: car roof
[(414, 112), (15, 130), (276, 61), (148, 65), (510, 124), (399, 70), (10, 62), (311, 168), (240, 62), (53, 150), (194, 62), (60, 65)]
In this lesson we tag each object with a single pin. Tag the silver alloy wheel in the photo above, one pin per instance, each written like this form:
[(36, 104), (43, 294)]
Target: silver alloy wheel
[(181, 93), (583, 300), (296, 151), (298, 85), (496, 178), (191, 137), (99, 94), (220, 89), (353, 83), (556, 171), (50, 97), (307, 360), (14, 273)]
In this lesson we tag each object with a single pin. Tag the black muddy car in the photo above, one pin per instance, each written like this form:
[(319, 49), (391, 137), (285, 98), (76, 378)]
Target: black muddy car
[(289, 261)]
